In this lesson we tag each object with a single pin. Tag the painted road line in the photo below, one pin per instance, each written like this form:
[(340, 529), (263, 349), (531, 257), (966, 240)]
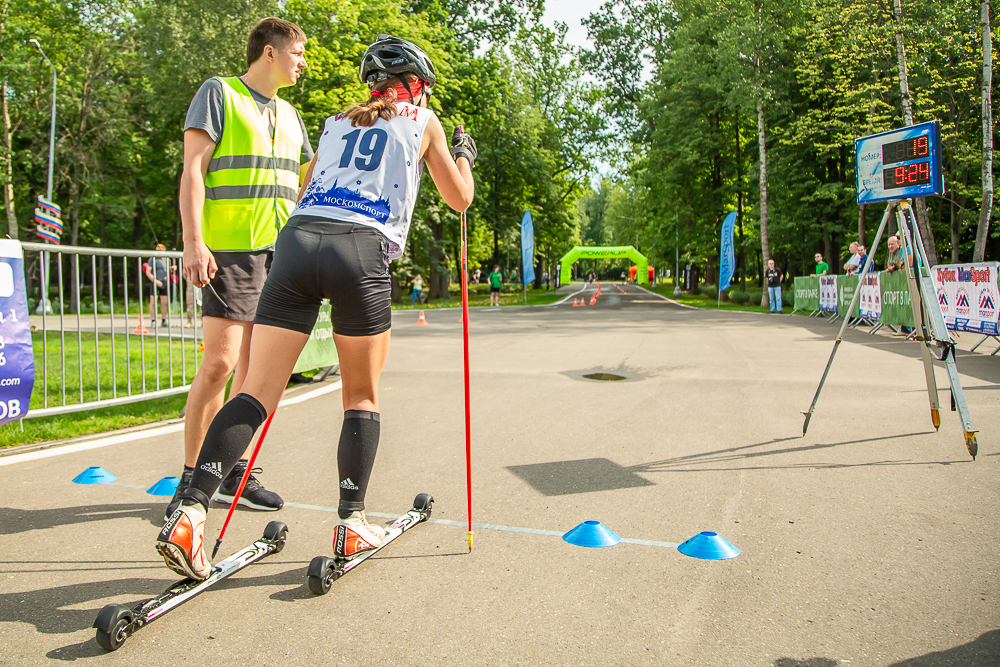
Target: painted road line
[(567, 297), (660, 296), (132, 436), (484, 526)]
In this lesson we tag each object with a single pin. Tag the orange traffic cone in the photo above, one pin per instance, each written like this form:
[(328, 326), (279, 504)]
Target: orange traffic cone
[(139, 328), (201, 348), (422, 319), (593, 300), (583, 301), (576, 302)]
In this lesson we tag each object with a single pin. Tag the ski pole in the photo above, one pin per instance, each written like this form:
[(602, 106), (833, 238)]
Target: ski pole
[(465, 342), (246, 476)]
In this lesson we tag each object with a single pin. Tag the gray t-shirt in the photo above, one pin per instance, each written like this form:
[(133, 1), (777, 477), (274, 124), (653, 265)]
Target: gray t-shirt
[(207, 111)]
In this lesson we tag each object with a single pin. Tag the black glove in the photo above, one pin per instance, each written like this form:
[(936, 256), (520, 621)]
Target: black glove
[(463, 145)]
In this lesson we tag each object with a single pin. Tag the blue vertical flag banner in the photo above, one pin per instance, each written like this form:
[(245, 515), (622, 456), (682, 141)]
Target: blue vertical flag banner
[(527, 249), (17, 360), (727, 253)]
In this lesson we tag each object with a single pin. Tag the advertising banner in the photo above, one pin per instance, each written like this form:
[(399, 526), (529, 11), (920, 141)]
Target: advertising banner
[(896, 308), (806, 294), (968, 296), (727, 254), (527, 249), (828, 294), (17, 359), (320, 350), (870, 299), (846, 286)]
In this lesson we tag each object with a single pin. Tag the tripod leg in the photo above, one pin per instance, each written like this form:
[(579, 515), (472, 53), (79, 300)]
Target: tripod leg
[(920, 323), (854, 300)]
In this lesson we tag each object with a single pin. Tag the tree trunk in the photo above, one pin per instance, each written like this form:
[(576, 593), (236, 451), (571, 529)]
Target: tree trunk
[(982, 231), (904, 88), (765, 248), (8, 158), (741, 261)]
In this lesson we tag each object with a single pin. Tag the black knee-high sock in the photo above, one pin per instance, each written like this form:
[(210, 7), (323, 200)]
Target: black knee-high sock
[(355, 458), (227, 438)]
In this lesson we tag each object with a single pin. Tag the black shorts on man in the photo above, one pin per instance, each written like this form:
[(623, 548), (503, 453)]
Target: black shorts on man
[(238, 282)]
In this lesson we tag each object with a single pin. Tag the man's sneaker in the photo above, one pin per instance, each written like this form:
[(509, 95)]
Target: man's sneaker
[(354, 536), (254, 495), (182, 486), (181, 542), (164, 323)]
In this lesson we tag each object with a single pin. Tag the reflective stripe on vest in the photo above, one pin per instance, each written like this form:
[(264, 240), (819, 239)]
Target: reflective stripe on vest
[(251, 185)]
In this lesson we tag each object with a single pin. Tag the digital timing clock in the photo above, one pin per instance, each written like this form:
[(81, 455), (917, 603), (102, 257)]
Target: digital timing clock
[(899, 164)]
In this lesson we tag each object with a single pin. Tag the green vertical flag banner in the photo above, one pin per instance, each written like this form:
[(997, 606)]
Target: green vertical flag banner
[(806, 294), (320, 350), (846, 286), (896, 308)]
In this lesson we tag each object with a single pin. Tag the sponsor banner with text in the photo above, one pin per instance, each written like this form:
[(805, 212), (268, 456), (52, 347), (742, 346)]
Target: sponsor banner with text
[(320, 350), (17, 358), (870, 299), (806, 293), (828, 294), (968, 296)]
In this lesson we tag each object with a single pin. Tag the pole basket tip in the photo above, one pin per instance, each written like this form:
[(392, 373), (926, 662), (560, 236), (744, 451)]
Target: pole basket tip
[(470, 540), (218, 543), (936, 419)]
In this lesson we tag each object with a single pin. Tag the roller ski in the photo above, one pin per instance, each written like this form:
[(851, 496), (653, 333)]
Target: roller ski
[(354, 541), (116, 623)]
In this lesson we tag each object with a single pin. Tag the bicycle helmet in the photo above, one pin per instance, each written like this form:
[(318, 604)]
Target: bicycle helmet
[(391, 56)]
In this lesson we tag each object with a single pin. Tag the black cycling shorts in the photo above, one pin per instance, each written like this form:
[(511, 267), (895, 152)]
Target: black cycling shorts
[(318, 258)]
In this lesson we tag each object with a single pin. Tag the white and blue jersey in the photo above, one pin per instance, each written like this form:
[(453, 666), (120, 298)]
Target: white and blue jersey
[(369, 175)]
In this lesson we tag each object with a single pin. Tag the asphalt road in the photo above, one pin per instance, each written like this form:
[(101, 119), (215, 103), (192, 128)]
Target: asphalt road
[(871, 541)]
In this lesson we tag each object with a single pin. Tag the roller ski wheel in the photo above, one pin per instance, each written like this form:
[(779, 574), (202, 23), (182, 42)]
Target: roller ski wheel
[(323, 570), (276, 533), (322, 573), (112, 626)]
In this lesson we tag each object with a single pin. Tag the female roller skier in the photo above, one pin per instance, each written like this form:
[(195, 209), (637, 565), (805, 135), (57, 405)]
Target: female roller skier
[(351, 219)]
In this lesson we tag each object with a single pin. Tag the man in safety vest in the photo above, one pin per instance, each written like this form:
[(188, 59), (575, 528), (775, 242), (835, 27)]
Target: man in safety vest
[(244, 152)]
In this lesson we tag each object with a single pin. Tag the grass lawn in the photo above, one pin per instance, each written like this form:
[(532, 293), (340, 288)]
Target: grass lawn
[(82, 380), (703, 301), (479, 295)]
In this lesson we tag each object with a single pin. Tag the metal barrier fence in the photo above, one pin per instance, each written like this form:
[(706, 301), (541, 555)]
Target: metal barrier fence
[(115, 364)]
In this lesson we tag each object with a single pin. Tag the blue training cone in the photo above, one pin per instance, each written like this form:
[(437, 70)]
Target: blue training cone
[(709, 546), (94, 475), (165, 487), (592, 534)]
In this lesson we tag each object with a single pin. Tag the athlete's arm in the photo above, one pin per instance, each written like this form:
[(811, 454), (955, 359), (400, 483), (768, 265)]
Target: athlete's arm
[(453, 178), (199, 264)]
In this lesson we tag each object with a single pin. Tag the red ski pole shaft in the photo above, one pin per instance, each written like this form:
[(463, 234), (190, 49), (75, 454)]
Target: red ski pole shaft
[(465, 351), (246, 476)]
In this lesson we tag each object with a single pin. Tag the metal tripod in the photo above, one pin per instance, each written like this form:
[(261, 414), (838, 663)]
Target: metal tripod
[(930, 329)]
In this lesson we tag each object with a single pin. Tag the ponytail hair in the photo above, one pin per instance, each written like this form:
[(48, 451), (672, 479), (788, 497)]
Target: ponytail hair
[(380, 104)]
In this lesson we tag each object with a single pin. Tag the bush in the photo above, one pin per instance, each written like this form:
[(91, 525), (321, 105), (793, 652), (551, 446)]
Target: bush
[(754, 297), (710, 291), (737, 296)]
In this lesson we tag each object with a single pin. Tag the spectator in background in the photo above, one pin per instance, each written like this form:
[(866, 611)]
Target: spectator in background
[(853, 264), (863, 258), (496, 282), (157, 271), (822, 268), (894, 262), (774, 277), (418, 290), (651, 274), (633, 271), (478, 274)]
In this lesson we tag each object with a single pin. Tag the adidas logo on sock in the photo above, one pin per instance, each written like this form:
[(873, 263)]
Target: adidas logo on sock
[(348, 484), (215, 468)]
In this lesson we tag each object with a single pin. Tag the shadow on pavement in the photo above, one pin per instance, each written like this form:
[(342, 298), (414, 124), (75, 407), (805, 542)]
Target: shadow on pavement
[(811, 662), (37, 607), (743, 453), (13, 521), (984, 651), (558, 478)]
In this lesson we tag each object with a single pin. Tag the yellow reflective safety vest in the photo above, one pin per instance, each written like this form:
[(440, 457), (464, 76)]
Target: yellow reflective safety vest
[(252, 182)]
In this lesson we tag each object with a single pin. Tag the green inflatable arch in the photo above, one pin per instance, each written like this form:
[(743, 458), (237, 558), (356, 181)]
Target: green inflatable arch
[(603, 252)]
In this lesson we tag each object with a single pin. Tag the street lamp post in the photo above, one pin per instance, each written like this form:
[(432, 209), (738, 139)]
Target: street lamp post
[(43, 303)]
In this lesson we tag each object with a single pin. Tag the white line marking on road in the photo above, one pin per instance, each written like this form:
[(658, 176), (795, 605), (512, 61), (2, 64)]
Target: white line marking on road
[(660, 296), (566, 298), (143, 434), (485, 526)]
